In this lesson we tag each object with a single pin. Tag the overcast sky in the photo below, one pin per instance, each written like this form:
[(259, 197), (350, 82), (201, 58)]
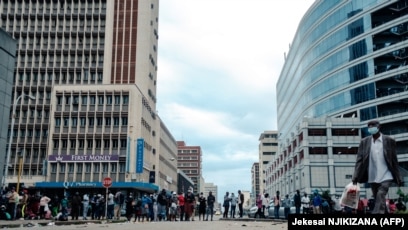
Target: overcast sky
[(218, 64)]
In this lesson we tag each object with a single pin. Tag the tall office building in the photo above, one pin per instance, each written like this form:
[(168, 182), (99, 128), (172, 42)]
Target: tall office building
[(91, 66), (255, 185), (190, 162), (268, 147), (348, 60), (8, 47)]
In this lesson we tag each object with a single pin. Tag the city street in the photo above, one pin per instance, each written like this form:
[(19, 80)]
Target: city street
[(196, 225)]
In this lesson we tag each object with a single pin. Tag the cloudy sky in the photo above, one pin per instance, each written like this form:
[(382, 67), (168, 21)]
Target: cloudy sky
[(219, 61)]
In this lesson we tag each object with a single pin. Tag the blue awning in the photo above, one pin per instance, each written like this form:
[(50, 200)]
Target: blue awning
[(147, 187)]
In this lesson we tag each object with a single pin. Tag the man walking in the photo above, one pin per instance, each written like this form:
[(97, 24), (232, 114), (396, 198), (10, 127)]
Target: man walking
[(377, 164)]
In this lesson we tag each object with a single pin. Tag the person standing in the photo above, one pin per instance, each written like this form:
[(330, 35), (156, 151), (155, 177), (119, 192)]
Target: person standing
[(44, 205), (111, 206), (181, 205), (85, 204), (189, 204), (162, 205), (202, 206), (12, 197), (317, 201), (259, 205), (286, 206), (305, 203), (240, 203), (298, 202), (76, 205), (276, 202), (119, 200), (226, 204), (129, 202), (210, 205), (336, 205), (265, 203), (377, 164), (234, 201)]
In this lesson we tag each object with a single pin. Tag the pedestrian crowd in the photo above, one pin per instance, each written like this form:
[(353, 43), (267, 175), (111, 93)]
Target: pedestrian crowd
[(230, 204), (136, 207)]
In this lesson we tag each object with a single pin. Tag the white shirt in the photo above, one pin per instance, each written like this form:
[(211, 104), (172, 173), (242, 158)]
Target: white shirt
[(377, 167), (305, 201)]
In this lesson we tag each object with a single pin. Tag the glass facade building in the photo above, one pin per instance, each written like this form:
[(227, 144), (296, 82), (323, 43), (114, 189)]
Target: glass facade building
[(348, 59)]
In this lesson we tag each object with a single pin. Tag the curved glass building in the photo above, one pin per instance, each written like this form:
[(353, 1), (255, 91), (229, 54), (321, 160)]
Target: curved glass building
[(347, 64)]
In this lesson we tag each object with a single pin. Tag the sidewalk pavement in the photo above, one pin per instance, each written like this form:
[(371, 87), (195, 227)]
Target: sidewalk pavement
[(218, 223)]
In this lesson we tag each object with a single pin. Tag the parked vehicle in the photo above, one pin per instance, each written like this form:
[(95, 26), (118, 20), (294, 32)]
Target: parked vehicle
[(271, 210)]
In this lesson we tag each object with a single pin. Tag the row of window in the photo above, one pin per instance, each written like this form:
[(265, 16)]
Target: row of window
[(30, 133), (97, 143), (109, 99), (88, 167), (90, 121)]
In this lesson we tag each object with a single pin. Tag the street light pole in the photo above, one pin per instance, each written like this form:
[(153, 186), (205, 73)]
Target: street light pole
[(13, 119)]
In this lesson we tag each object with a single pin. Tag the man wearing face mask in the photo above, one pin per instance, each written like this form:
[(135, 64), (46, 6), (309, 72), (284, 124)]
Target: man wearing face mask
[(377, 164)]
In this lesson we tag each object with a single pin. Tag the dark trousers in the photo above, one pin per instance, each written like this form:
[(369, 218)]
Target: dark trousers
[(226, 208), (240, 210), (380, 191), (233, 207)]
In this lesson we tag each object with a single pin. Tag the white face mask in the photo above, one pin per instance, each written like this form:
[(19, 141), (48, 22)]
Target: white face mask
[(373, 130)]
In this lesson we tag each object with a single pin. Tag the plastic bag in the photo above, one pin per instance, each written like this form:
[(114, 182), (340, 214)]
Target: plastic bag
[(350, 196)]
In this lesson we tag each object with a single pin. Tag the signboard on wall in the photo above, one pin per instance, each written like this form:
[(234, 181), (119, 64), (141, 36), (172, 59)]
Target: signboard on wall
[(139, 155), (83, 158)]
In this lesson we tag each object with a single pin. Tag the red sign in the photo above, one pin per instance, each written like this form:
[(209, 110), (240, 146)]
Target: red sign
[(107, 182)]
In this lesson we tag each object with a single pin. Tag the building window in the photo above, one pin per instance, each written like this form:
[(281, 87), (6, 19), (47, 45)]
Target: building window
[(82, 121), (56, 144), (90, 144), (99, 121), (106, 143), (66, 121), (115, 143), (53, 168), (114, 167), (92, 100), (74, 121), (87, 167), (125, 99), (79, 168), (62, 168), (97, 167), (105, 167), (107, 121), (123, 143), (64, 144), (57, 122), (117, 100), (100, 100), (98, 144), (70, 167), (91, 121), (116, 121), (109, 100), (84, 100), (81, 144), (73, 143), (124, 121)]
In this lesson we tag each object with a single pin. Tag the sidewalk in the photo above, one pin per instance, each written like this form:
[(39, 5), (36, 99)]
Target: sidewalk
[(225, 224)]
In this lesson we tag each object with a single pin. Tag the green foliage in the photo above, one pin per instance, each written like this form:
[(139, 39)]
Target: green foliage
[(402, 195)]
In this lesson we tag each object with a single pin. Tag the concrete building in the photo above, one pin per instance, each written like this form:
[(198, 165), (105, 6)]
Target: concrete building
[(255, 184), (8, 48), (190, 162), (184, 182), (214, 189), (92, 68), (348, 60), (268, 147)]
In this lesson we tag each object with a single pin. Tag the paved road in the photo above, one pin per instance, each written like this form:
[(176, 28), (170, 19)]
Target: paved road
[(249, 224)]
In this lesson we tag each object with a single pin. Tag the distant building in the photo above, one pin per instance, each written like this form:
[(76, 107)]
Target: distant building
[(255, 180), (214, 189), (8, 47), (268, 147), (190, 162)]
